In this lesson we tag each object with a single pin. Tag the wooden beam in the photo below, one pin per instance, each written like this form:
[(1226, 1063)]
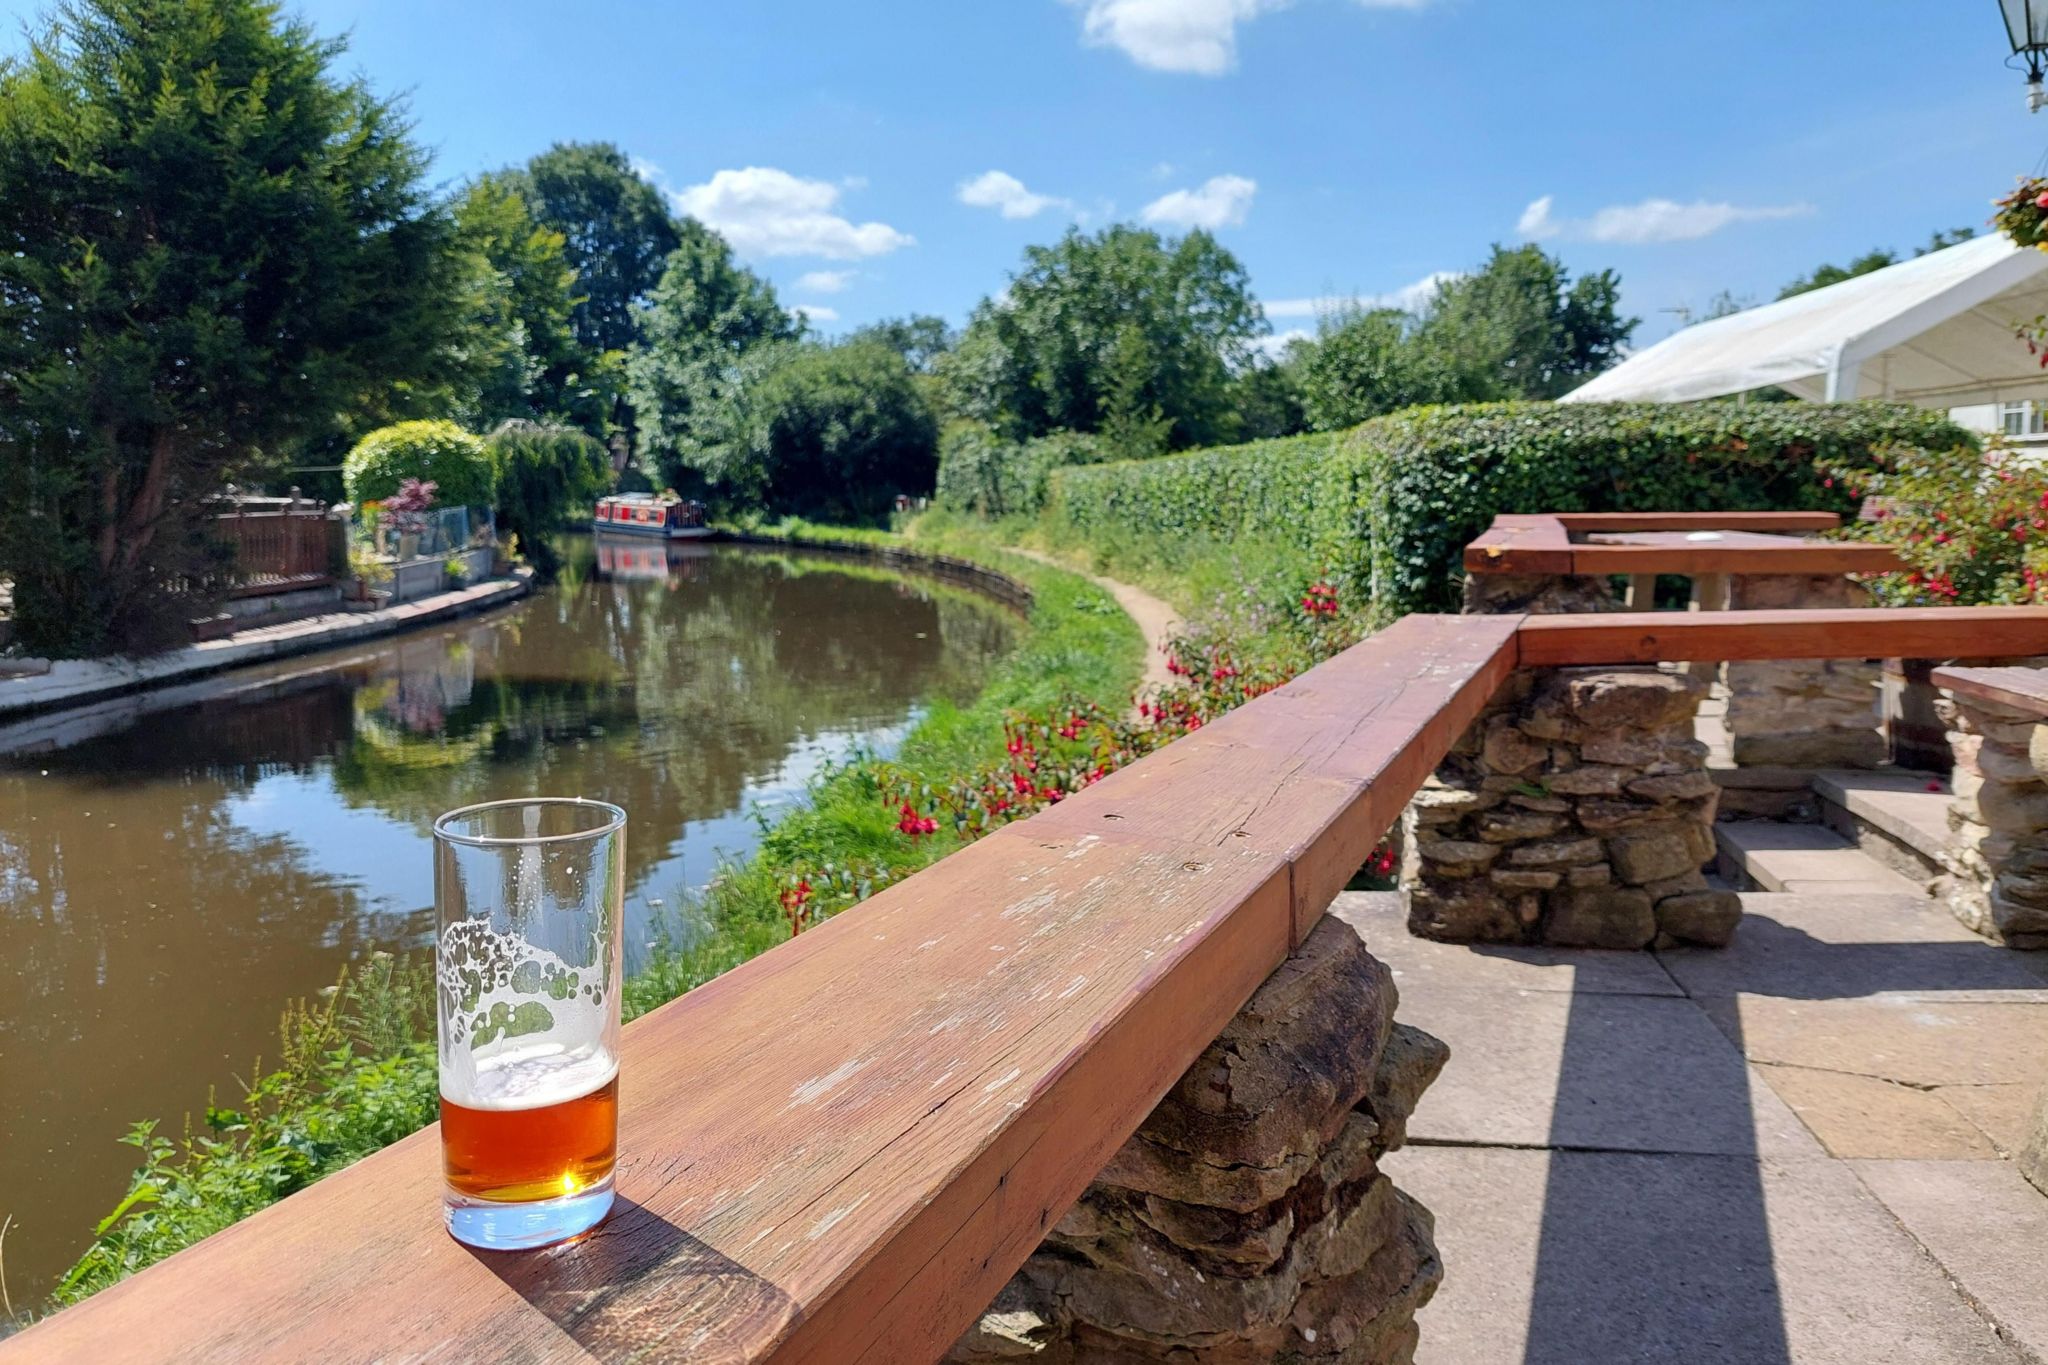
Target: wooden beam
[(1741, 557), (1855, 633), (1782, 523), (841, 1150), (1521, 545), (2025, 689)]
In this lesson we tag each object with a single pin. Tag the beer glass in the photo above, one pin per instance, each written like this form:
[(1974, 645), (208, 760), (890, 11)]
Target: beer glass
[(528, 896)]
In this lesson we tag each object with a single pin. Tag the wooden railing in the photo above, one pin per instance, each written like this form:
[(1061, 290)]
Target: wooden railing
[(840, 1150), (279, 547)]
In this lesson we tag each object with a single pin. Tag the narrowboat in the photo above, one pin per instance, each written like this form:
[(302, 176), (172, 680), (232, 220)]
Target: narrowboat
[(649, 514)]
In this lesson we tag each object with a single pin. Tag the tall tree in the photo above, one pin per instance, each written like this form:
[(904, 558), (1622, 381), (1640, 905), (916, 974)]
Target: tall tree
[(1363, 363), (616, 230), (1520, 327), (706, 313), (919, 338), (528, 362), (829, 431), (1039, 357), (209, 246)]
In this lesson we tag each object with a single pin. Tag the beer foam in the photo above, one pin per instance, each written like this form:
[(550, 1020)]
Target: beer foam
[(535, 1077), (504, 999)]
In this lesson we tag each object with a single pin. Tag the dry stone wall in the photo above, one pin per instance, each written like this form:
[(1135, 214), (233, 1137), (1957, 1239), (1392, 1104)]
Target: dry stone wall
[(1998, 850), (1247, 1220), (1803, 713), (1576, 811)]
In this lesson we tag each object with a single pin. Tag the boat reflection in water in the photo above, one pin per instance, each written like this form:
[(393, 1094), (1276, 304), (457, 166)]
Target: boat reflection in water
[(637, 560)]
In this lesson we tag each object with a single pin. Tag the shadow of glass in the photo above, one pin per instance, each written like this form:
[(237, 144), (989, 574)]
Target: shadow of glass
[(638, 1286)]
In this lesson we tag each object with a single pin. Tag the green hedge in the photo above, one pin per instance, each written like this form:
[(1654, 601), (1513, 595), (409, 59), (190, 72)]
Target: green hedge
[(981, 473), (1390, 505)]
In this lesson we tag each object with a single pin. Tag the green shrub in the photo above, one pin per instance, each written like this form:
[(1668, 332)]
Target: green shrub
[(1389, 506), (543, 471), (441, 453), (980, 472)]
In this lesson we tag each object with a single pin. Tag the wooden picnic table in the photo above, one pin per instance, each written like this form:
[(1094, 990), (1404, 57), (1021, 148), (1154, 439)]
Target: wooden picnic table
[(1696, 544)]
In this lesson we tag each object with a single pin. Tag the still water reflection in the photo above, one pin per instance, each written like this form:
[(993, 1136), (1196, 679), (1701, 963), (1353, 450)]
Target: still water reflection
[(174, 867)]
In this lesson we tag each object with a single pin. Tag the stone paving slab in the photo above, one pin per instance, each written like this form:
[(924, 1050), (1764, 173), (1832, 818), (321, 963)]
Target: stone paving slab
[(1987, 1227), (1806, 858), (1913, 1041), (2001, 1113), (1895, 802), (1864, 1116), (1832, 946), (1423, 966), (1592, 1258), (1618, 1072)]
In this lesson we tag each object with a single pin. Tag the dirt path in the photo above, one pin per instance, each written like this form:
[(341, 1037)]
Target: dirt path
[(1157, 621)]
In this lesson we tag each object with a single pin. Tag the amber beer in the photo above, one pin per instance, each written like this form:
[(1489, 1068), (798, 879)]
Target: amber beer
[(528, 896), (532, 1145)]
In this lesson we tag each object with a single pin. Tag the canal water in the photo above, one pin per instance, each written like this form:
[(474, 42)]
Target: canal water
[(175, 866)]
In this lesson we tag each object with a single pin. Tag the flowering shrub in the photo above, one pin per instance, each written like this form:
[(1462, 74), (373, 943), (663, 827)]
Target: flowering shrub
[(1972, 525), (1049, 754), (2023, 214)]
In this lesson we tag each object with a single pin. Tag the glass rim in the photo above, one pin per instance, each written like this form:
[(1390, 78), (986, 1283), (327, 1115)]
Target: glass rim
[(614, 821)]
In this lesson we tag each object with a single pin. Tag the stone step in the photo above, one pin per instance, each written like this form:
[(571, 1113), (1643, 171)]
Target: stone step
[(1898, 817), (1804, 860)]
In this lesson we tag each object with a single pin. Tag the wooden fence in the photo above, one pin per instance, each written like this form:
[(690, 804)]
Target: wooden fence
[(839, 1151), (280, 545)]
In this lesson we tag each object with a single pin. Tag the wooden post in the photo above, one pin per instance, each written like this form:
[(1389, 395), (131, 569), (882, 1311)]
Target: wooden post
[(1642, 592)]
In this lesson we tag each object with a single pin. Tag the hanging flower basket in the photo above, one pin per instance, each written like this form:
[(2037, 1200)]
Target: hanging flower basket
[(2023, 214)]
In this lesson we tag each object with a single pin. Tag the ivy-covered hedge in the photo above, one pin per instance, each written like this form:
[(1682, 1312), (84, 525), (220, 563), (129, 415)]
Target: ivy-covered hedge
[(981, 473), (1390, 505)]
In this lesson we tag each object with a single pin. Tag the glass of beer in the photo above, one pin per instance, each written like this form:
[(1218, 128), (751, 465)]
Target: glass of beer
[(528, 896)]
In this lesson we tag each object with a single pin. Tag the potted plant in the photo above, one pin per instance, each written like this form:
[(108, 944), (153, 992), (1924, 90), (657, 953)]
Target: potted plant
[(406, 511)]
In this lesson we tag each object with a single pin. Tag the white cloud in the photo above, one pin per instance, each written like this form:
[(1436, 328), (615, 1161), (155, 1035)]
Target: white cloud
[(1653, 220), (767, 212), (1197, 37), (815, 312), (824, 281), (1220, 201), (1407, 298), (1193, 36), (1006, 193)]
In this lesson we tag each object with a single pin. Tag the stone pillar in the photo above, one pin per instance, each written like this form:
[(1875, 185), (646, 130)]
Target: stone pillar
[(1803, 713), (1501, 594), (1576, 811), (1997, 880), (1247, 1220)]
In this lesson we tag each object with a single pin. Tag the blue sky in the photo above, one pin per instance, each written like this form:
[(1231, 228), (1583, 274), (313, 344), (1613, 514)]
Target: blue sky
[(1339, 147)]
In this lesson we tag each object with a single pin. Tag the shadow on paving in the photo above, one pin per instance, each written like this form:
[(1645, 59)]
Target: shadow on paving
[(1687, 1215)]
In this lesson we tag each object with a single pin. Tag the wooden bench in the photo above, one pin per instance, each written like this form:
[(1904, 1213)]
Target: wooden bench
[(841, 1150)]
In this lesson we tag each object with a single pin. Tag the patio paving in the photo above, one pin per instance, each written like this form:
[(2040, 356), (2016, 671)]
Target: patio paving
[(1794, 1149)]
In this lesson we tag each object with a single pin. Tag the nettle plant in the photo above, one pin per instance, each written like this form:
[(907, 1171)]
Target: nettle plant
[(1971, 524), (1051, 754)]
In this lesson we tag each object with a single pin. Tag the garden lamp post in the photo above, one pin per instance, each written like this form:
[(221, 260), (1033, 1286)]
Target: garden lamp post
[(2026, 23)]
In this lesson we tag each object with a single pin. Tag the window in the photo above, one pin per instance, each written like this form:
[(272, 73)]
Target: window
[(2026, 418)]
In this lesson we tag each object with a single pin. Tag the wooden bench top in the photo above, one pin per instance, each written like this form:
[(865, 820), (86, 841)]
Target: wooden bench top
[(840, 1150), (1594, 543), (2009, 685)]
